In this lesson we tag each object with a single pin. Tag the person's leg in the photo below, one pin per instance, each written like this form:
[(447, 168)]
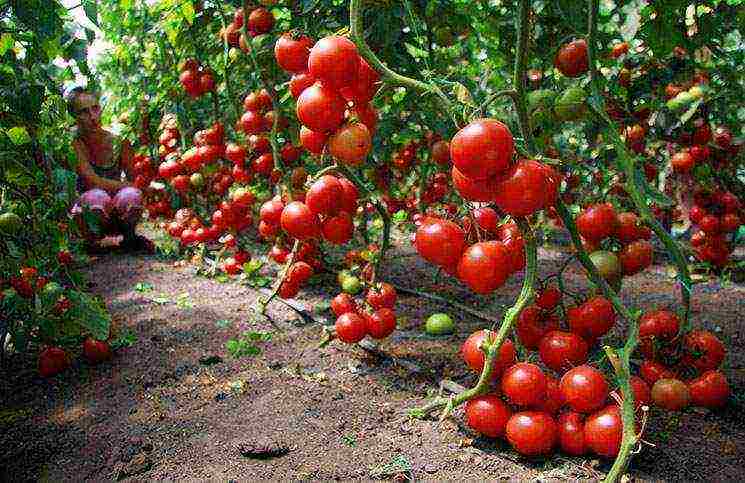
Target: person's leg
[(128, 210), (92, 214)]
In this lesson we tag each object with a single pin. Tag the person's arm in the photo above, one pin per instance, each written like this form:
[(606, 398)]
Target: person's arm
[(90, 178), (126, 159)]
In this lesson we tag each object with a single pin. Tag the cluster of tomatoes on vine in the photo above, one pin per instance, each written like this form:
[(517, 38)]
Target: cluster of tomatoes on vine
[(260, 21), (196, 79)]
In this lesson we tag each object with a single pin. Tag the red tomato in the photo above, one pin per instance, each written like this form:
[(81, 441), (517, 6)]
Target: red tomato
[(96, 351), (252, 122), (350, 328), (571, 428), (593, 319), (481, 190), (571, 59), (440, 242), (682, 162), (288, 289), (338, 229), (292, 51), (528, 187), (597, 222), (381, 323), (381, 295), (560, 350), (271, 211), (488, 415), (486, 218), (553, 400), (524, 384), (52, 361), (709, 224), (652, 371), (300, 82), (440, 152), (349, 196), (532, 324), (670, 394), (584, 389), (366, 114), (482, 149), (604, 431), (474, 356), (350, 144), (322, 198), (299, 222), (629, 228), (709, 390), (363, 89), (484, 266), (260, 20), (299, 272), (730, 222), (532, 433), (320, 108), (312, 141), (334, 60), (703, 350), (343, 303), (619, 49), (549, 298)]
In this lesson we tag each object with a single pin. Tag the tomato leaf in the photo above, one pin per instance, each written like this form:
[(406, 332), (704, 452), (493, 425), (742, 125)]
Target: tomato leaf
[(653, 193)]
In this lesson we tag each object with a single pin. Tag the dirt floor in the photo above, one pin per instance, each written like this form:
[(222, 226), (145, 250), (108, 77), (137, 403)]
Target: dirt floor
[(175, 405)]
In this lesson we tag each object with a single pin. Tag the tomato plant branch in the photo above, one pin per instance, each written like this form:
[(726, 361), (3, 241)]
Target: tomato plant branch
[(492, 349), (226, 55), (272, 94), (262, 303), (623, 372), (628, 165), (518, 77), (445, 301), (388, 75)]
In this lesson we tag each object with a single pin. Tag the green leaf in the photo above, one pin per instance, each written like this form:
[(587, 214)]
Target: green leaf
[(651, 192), (90, 314), (143, 287), (187, 9), (18, 135), (6, 43), (691, 111), (90, 7)]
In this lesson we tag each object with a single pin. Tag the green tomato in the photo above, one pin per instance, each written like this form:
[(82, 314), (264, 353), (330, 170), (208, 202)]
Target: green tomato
[(439, 324), (680, 101), (343, 275), (196, 180), (541, 99), (607, 264), (697, 92), (52, 291), (10, 223), (571, 105), (351, 285), (378, 223)]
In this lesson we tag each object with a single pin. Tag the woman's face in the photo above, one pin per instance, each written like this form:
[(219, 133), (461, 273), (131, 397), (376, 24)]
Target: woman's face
[(87, 111)]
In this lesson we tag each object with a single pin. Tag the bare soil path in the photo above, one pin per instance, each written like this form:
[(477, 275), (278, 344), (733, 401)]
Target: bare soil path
[(166, 408)]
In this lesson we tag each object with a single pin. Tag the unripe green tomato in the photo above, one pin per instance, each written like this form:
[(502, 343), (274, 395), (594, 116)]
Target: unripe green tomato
[(680, 101), (607, 264), (343, 275), (196, 180), (352, 285), (52, 291), (439, 324), (10, 223), (571, 105), (541, 99), (378, 223), (697, 92)]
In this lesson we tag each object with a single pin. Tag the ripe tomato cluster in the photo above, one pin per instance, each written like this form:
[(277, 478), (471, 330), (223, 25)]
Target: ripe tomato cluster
[(717, 216), (196, 79), (375, 316), (54, 360), (600, 222), (260, 21), (333, 86), (681, 369)]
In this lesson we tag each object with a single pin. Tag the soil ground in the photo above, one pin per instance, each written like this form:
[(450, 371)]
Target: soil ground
[(162, 409)]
